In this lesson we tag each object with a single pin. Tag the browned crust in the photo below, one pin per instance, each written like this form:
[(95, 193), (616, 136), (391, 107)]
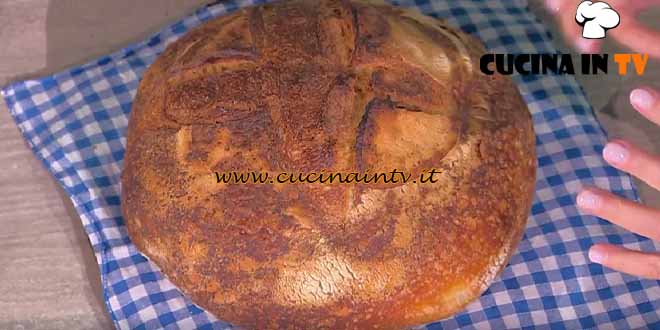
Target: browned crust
[(336, 86)]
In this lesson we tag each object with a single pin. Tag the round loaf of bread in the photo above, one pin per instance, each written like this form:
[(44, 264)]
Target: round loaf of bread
[(345, 86)]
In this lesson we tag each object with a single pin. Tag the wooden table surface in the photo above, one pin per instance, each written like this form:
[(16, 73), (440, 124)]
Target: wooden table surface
[(49, 278), (48, 275)]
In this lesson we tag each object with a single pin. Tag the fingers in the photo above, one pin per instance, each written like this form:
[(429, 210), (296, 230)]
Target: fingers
[(638, 38), (564, 10), (629, 8), (632, 216), (633, 34), (633, 160), (635, 217), (647, 102), (627, 261), (630, 33), (636, 6)]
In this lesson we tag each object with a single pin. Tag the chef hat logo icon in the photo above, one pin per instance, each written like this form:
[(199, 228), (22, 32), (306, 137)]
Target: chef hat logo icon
[(596, 18)]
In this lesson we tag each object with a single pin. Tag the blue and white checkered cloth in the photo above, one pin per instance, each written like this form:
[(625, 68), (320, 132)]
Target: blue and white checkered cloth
[(75, 121)]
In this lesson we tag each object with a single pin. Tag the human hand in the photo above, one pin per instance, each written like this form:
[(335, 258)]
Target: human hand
[(635, 217), (630, 32)]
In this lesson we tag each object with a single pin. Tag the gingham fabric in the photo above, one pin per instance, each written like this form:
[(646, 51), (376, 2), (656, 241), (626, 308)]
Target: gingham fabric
[(75, 121)]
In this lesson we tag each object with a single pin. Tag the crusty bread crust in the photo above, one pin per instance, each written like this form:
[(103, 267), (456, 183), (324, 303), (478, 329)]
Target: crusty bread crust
[(336, 86)]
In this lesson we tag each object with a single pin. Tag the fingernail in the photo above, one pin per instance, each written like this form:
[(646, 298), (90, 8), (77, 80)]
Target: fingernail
[(586, 46), (642, 99), (597, 256), (588, 200), (615, 153), (552, 5)]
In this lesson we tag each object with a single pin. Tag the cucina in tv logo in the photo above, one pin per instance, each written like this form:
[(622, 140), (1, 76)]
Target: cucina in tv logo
[(562, 64), (596, 18)]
